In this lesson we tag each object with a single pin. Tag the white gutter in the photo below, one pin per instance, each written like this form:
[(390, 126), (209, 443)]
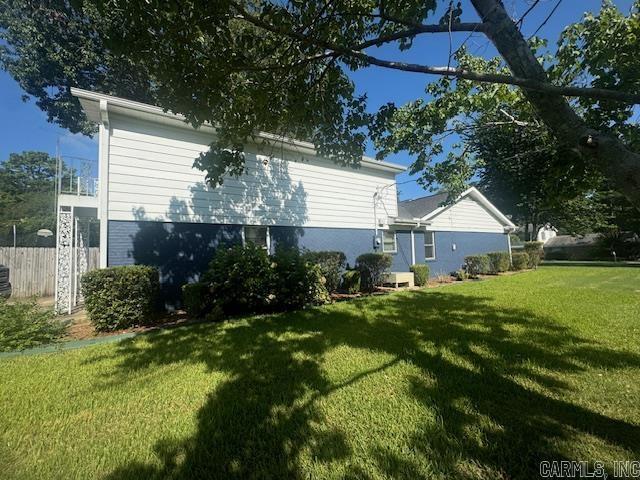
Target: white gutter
[(103, 179)]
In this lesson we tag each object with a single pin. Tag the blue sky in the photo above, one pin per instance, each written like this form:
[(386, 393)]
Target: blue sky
[(25, 127)]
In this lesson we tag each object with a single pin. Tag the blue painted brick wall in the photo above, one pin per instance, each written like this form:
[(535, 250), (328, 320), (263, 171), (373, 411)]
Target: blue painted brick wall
[(467, 243)]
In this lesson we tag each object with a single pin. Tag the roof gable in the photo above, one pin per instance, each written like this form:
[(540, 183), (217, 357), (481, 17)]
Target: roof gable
[(471, 211)]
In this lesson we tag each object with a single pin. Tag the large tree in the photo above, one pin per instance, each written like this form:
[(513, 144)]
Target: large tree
[(50, 46), (283, 67), (27, 197)]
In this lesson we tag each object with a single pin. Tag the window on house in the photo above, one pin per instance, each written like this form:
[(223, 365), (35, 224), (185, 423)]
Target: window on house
[(259, 236), (389, 241), (429, 246)]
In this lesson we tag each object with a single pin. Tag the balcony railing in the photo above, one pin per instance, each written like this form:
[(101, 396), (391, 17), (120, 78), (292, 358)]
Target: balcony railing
[(78, 176)]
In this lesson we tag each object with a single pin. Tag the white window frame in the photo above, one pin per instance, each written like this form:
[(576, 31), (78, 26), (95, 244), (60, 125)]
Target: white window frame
[(395, 241), (268, 239), (432, 244)]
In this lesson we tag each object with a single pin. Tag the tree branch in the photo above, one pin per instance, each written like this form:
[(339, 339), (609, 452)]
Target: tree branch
[(355, 52)]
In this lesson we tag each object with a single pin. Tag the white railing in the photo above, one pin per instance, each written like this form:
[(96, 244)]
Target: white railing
[(77, 176)]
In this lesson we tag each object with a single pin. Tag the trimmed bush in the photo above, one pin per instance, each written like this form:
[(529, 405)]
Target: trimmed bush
[(245, 280), (331, 265), (535, 253), (499, 262), (460, 275), (240, 279), (372, 267), (476, 265), (351, 281), (520, 260), (196, 299), (296, 282), (420, 274), (25, 325), (121, 297)]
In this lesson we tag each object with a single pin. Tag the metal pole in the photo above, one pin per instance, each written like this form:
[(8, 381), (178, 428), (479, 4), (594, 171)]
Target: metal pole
[(75, 263), (14, 235)]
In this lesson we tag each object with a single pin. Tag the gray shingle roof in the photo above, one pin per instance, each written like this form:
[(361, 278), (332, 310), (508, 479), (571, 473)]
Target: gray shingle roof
[(419, 207), (573, 241)]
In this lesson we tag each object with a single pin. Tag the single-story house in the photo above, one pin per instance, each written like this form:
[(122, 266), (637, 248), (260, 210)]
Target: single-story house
[(156, 209)]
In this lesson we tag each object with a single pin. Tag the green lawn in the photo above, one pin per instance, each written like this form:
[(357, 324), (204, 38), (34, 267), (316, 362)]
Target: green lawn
[(475, 380)]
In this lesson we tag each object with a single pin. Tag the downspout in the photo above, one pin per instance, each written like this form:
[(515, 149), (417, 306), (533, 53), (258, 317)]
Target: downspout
[(375, 214), (413, 247), (103, 181)]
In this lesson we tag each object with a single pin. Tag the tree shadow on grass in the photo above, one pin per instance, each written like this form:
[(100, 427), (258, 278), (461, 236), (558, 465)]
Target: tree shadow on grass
[(493, 377)]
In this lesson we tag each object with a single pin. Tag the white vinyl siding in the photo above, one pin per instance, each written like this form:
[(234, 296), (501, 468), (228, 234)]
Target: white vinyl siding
[(389, 241), (429, 246), (151, 177), (466, 216)]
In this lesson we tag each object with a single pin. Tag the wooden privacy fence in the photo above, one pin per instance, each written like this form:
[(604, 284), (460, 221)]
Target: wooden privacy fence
[(33, 269)]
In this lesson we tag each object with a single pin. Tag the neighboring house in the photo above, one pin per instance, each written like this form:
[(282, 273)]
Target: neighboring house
[(578, 247), (156, 209)]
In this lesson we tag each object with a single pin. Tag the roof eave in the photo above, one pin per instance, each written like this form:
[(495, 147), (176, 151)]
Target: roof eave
[(89, 100)]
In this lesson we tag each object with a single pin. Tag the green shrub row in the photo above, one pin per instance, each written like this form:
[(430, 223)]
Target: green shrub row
[(351, 281), (372, 267), (420, 274), (121, 297), (499, 262), (520, 260), (534, 252), (331, 265), (245, 280), (476, 265)]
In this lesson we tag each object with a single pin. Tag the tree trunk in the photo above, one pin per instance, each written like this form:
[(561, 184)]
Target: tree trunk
[(616, 162)]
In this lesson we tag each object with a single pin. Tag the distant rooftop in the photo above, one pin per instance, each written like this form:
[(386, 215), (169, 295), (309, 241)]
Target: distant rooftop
[(419, 207)]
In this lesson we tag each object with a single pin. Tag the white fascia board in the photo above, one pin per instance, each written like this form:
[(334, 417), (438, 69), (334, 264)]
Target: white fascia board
[(482, 200), (90, 100)]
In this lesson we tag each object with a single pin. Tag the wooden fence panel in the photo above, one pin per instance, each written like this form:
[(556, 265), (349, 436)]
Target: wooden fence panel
[(33, 269)]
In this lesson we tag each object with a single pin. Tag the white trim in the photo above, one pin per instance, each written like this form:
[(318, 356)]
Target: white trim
[(103, 180), (432, 244), (413, 248), (481, 199), (395, 241), (129, 106)]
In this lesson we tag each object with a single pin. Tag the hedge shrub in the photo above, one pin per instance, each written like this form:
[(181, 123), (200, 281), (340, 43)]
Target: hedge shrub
[(351, 281), (240, 279), (331, 265), (245, 280), (420, 274), (499, 262), (520, 260), (476, 265), (296, 282), (25, 325), (121, 297), (196, 299), (372, 267), (535, 253)]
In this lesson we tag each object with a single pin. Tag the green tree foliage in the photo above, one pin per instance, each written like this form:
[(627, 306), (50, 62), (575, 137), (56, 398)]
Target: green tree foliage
[(283, 67), (50, 46), (27, 197)]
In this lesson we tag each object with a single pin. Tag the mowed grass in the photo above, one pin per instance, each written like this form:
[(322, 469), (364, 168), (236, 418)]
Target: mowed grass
[(476, 380)]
